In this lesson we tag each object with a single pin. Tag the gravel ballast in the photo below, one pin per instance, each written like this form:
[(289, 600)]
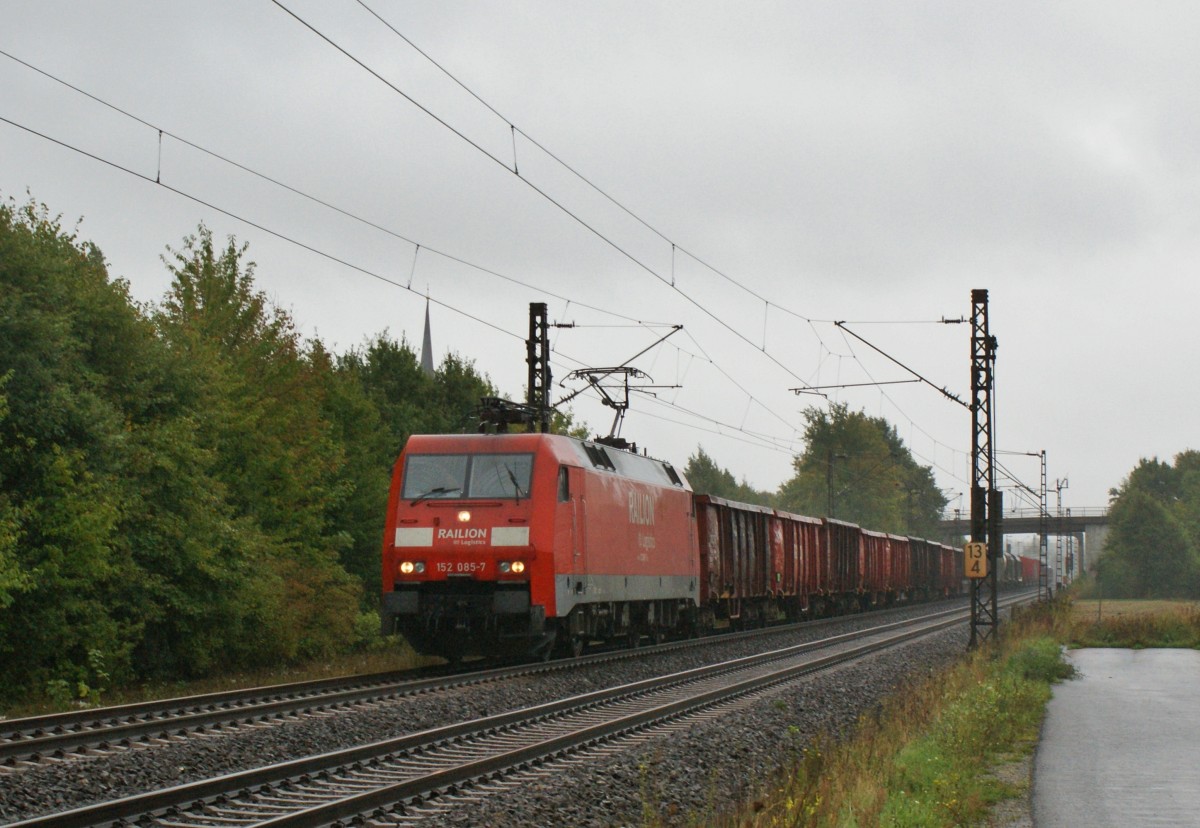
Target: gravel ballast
[(707, 768), (711, 769)]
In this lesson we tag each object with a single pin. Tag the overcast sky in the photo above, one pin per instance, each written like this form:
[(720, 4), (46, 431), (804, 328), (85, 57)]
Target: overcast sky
[(783, 165)]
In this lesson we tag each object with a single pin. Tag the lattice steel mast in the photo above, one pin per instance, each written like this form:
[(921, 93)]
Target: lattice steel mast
[(538, 356), (986, 504)]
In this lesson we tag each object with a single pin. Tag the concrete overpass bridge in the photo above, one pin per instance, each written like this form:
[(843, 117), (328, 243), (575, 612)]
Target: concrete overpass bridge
[(1089, 526), (1029, 522)]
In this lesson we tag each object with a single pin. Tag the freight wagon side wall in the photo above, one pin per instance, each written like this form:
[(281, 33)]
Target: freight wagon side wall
[(876, 553), (922, 578), (844, 542), (801, 541), (1029, 570), (811, 537), (708, 530), (951, 571), (900, 568), (741, 552)]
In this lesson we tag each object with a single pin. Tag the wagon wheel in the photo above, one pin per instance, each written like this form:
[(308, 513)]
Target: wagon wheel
[(659, 635), (578, 645), (635, 639)]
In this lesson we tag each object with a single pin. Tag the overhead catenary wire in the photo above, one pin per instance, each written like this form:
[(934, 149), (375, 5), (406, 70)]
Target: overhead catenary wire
[(675, 247), (555, 202), (716, 317), (941, 389), (575, 172), (932, 462), (767, 302), (761, 441), (418, 246), (156, 181), (261, 227)]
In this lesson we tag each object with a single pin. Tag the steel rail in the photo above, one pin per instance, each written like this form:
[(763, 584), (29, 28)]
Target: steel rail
[(301, 771), (33, 738), (391, 796)]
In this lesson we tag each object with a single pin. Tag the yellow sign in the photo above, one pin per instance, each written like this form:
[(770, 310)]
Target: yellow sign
[(976, 560)]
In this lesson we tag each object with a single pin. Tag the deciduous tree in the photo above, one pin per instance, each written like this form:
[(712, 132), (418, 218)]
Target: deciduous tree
[(856, 468), (1151, 551)]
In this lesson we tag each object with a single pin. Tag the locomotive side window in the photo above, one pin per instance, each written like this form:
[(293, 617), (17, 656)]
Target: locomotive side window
[(564, 486), (599, 457), (461, 476), (670, 470)]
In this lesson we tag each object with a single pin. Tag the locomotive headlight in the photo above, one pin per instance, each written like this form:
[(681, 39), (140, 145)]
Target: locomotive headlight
[(518, 567), (407, 567), (464, 516), (505, 566)]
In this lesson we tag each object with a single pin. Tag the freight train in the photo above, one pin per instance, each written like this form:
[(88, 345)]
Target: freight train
[(539, 544)]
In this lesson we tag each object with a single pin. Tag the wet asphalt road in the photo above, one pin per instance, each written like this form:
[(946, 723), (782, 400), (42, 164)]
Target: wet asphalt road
[(1121, 742)]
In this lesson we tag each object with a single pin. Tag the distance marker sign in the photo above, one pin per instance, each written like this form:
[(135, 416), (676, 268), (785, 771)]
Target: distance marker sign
[(976, 563)]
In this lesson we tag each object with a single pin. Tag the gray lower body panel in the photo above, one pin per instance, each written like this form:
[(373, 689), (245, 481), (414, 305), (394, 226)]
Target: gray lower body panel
[(573, 590)]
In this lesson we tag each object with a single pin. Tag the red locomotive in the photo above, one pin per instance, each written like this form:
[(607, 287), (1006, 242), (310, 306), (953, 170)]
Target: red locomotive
[(516, 543), (533, 543)]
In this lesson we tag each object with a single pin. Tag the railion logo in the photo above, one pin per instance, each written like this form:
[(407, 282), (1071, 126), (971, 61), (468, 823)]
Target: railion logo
[(641, 509), (461, 534)]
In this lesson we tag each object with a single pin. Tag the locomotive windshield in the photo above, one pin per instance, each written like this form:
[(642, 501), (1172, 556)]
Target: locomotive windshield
[(459, 476)]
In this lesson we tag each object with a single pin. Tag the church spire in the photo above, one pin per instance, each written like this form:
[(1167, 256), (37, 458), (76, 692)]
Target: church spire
[(427, 345)]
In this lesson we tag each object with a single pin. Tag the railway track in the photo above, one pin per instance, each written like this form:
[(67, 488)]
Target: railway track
[(394, 781), (65, 736), (61, 735)]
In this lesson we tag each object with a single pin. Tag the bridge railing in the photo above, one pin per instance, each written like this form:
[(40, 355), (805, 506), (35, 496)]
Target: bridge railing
[(1031, 512)]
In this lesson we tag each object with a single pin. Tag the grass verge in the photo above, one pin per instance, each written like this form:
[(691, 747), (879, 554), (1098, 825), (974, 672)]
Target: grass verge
[(924, 760), (385, 656)]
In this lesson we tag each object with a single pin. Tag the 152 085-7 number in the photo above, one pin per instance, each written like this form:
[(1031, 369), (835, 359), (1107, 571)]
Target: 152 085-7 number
[(461, 567)]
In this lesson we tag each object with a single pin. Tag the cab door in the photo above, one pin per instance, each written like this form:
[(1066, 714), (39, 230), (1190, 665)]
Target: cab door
[(570, 530)]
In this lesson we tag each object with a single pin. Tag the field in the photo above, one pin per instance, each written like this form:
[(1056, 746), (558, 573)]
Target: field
[(1093, 610), (1134, 624)]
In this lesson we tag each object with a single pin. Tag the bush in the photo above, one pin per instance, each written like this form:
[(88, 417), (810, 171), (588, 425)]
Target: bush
[(1041, 660)]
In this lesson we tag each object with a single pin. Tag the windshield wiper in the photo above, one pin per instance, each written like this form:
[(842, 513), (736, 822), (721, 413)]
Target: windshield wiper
[(440, 490), (514, 479)]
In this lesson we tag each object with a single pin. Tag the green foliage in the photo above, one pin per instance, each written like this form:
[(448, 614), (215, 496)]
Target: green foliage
[(188, 487), (939, 778), (925, 756), (456, 404), (706, 477), (410, 402), (1041, 661), (563, 422), (12, 579), (1153, 546), (70, 348), (856, 468), (258, 397), (376, 398)]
